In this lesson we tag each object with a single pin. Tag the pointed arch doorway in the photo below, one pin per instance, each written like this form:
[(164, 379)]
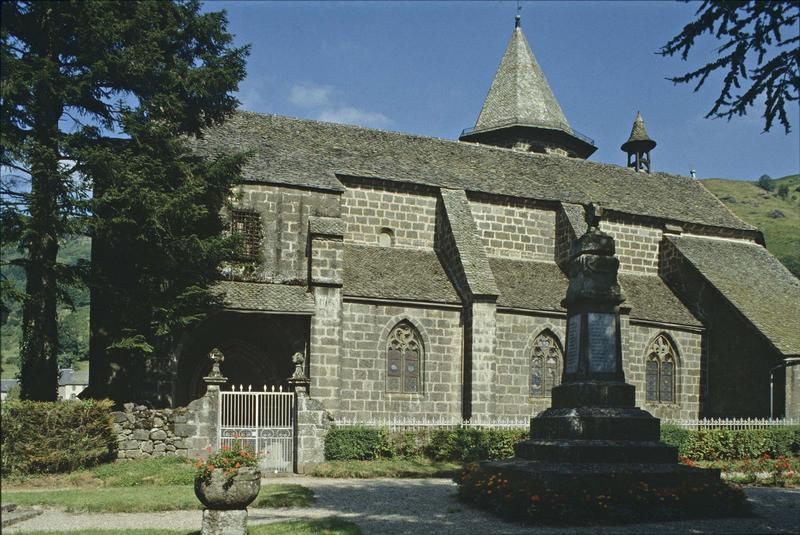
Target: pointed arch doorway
[(257, 347)]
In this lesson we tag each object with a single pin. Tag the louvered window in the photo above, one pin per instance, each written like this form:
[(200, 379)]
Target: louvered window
[(247, 224)]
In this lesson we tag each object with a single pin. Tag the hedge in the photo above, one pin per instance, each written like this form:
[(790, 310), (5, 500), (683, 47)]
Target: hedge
[(60, 436), (731, 444), (470, 444), (461, 444)]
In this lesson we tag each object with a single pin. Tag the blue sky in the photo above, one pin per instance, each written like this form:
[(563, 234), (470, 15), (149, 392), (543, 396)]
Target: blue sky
[(425, 68)]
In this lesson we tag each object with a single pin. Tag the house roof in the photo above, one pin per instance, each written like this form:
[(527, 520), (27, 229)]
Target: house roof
[(307, 153), (542, 285), (520, 93), (261, 297), (68, 376), (8, 384), (396, 273), (753, 281)]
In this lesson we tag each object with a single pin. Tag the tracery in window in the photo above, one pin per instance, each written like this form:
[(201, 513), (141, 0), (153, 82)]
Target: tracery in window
[(404, 354), (247, 223), (546, 361), (660, 371)]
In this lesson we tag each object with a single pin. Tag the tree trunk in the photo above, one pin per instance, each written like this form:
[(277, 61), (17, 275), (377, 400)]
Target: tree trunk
[(39, 351)]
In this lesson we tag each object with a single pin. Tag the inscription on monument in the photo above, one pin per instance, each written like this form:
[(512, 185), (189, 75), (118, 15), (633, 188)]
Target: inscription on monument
[(602, 343), (573, 343)]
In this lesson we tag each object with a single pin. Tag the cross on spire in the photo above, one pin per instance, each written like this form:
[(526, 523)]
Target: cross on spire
[(519, 14)]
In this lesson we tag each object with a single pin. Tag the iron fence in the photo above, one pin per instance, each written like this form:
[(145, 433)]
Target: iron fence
[(261, 421)]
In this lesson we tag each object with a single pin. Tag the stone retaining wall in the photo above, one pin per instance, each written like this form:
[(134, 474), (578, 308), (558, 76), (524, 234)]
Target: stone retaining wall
[(143, 432)]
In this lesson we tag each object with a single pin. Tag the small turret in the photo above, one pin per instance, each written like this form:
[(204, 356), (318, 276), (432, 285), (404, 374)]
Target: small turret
[(639, 146)]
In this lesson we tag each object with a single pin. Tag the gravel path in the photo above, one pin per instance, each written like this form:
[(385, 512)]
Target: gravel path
[(419, 506)]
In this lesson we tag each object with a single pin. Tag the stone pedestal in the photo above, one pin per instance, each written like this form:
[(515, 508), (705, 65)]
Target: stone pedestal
[(217, 522), (593, 449)]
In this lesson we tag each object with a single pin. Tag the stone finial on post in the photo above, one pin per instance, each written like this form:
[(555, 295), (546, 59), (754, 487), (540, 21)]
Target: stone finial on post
[(299, 380), (215, 378)]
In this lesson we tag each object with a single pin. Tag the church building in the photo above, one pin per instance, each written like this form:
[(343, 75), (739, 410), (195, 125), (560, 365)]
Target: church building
[(423, 277)]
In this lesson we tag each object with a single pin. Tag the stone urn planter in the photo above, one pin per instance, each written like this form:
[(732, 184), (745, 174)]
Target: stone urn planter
[(221, 493)]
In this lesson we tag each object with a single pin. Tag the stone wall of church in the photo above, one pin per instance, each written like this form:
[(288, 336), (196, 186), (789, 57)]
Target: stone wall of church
[(284, 219), (736, 353), (637, 340), (411, 216), (362, 374), (636, 245), (515, 230), (515, 336)]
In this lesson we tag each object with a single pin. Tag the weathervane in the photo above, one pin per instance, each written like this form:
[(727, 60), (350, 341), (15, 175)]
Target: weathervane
[(519, 11)]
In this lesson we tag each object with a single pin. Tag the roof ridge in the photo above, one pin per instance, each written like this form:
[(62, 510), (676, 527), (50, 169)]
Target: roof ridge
[(475, 145)]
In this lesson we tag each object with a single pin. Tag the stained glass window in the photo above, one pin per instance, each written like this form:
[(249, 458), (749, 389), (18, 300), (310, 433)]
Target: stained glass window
[(660, 371), (545, 364), (404, 359)]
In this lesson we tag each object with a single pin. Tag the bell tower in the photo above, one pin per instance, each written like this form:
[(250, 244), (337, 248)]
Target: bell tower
[(639, 146), (520, 112)]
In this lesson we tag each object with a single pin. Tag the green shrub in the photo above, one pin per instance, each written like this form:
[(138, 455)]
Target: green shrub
[(61, 436), (675, 436), (356, 443), (460, 444), (727, 444)]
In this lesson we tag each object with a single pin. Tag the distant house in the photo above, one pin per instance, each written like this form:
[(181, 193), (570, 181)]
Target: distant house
[(71, 383), (5, 386)]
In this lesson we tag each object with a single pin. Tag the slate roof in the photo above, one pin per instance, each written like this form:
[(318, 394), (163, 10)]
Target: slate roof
[(542, 285), (468, 242), (396, 273), (266, 297), (310, 154), (529, 285), (638, 135), (576, 214), (520, 93), (651, 299), (68, 376), (753, 281)]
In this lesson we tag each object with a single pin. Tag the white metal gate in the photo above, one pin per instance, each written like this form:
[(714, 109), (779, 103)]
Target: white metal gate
[(261, 421)]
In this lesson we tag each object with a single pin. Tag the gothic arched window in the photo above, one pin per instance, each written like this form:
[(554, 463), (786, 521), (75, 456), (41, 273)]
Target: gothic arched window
[(546, 361), (660, 371), (404, 359)]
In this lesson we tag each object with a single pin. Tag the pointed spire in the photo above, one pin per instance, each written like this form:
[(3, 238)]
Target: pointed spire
[(521, 111), (638, 136), (638, 146), (520, 93)]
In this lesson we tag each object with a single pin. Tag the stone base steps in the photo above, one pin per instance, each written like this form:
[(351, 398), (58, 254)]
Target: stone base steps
[(12, 515)]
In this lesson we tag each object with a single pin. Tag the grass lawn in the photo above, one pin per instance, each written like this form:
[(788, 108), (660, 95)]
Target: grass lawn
[(157, 471), (418, 467), (149, 499), (326, 526)]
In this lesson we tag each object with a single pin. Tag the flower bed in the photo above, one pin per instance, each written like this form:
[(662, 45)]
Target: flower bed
[(763, 471), (592, 500)]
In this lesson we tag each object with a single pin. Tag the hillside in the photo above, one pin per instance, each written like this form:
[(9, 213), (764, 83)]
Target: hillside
[(73, 324), (778, 218)]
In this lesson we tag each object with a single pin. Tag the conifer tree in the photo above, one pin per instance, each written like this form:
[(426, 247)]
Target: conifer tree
[(759, 56), (95, 93)]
